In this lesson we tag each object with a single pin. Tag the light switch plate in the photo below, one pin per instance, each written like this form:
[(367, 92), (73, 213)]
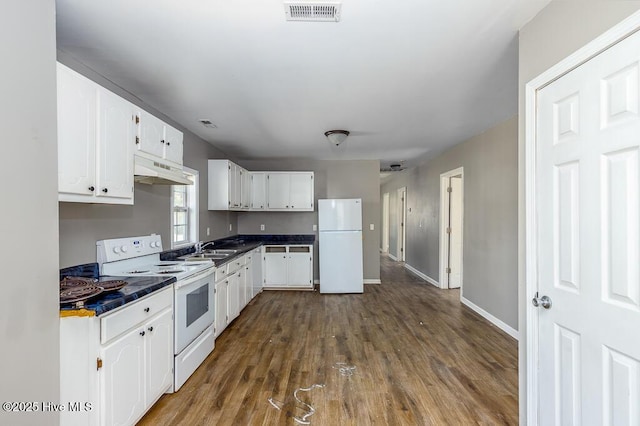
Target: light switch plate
[(315, 227), (371, 227), (208, 231), (262, 226), (230, 227)]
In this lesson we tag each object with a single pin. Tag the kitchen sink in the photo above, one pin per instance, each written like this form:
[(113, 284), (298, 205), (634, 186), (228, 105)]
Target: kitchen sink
[(206, 256), (226, 252)]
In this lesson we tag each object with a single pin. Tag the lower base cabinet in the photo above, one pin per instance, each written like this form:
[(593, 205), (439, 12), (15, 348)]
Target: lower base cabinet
[(120, 363), (288, 266)]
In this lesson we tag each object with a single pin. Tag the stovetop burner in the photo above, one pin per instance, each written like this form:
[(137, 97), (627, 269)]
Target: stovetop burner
[(171, 271), (138, 272)]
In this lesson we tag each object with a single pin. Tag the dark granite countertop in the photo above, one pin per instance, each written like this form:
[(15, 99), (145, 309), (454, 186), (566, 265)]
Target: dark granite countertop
[(244, 244), (136, 288)]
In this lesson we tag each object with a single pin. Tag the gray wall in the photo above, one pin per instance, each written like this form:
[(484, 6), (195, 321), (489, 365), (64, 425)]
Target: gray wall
[(333, 179), (556, 32), (29, 310), (490, 217), (81, 225)]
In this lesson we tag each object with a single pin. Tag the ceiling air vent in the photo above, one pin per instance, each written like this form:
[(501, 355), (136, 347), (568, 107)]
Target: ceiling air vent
[(319, 12)]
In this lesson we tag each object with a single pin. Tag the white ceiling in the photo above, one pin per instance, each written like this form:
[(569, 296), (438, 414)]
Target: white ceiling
[(407, 78)]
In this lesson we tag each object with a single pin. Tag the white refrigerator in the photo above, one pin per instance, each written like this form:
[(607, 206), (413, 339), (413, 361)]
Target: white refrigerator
[(340, 241)]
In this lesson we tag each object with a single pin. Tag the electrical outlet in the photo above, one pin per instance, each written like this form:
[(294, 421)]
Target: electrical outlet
[(315, 227), (208, 231), (371, 227), (230, 227), (262, 227)]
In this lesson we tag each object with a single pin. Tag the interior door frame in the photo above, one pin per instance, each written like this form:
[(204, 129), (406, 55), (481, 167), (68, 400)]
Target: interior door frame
[(385, 223), (444, 220), (582, 55), (402, 225)]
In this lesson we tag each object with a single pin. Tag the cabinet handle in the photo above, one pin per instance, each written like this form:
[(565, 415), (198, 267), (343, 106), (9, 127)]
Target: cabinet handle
[(146, 309), (168, 143), (142, 333), (162, 141), (92, 188), (150, 328), (105, 190)]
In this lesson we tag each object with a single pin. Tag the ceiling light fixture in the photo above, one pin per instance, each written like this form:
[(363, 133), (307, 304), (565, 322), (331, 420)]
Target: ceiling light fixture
[(207, 123), (336, 137)]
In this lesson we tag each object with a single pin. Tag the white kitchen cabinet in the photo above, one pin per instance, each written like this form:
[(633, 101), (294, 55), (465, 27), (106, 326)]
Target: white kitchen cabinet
[(256, 272), (258, 190), (95, 142), (226, 189), (120, 362), (158, 139), (123, 400), (246, 281), (245, 189), (288, 266), (290, 191), (234, 295), (222, 316)]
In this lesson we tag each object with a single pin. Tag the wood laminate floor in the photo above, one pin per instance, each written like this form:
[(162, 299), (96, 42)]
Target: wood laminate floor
[(420, 358)]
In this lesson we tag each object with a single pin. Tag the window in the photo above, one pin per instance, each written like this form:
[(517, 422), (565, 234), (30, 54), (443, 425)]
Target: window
[(184, 211)]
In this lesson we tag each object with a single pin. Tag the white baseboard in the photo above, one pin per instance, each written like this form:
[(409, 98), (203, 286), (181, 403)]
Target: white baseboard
[(493, 320), (421, 275), (392, 257)]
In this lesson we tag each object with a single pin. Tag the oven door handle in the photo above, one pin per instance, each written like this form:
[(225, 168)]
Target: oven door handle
[(193, 278)]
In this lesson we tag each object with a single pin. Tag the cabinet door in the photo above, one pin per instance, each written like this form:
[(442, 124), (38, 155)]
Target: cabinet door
[(150, 134), (234, 186), (258, 191), (234, 295), (245, 189), (159, 357), (77, 97), (300, 268), (221, 306), (115, 147), (277, 191), (256, 274), (301, 191), (275, 266), (123, 380), (247, 283), (172, 144)]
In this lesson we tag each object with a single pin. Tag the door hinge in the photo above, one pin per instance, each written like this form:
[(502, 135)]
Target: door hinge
[(98, 363), (448, 270), (137, 140), (448, 230), (449, 189), (137, 119)]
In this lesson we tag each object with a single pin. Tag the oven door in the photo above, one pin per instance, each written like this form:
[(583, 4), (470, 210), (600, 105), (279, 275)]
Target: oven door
[(194, 307)]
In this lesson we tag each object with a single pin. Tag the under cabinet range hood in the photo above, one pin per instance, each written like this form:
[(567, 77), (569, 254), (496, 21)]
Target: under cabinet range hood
[(155, 172)]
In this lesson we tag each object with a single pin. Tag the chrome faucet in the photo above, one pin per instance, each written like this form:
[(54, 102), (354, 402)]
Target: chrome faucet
[(200, 246)]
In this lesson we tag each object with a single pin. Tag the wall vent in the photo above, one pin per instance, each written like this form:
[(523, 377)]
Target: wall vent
[(318, 12)]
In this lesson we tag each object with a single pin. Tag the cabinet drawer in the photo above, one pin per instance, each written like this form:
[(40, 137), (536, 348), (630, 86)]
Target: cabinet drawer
[(221, 272), (136, 313), (236, 264)]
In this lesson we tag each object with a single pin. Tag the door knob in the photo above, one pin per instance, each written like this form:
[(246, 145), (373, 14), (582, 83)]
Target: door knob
[(543, 301)]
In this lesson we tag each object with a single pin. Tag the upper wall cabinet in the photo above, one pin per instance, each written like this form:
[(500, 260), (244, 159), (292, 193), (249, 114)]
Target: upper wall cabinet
[(95, 142), (290, 191), (258, 190), (157, 138), (229, 186)]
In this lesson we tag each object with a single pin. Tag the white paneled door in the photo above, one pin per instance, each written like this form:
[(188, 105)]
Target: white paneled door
[(588, 245)]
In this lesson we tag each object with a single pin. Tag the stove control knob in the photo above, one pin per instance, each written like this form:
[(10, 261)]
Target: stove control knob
[(153, 244), (116, 249), (124, 249)]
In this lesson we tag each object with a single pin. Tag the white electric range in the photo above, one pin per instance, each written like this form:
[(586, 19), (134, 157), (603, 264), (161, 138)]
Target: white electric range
[(194, 298)]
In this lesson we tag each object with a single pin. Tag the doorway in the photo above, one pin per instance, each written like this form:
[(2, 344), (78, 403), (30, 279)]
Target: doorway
[(582, 235), (402, 219), (385, 223), (451, 228)]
